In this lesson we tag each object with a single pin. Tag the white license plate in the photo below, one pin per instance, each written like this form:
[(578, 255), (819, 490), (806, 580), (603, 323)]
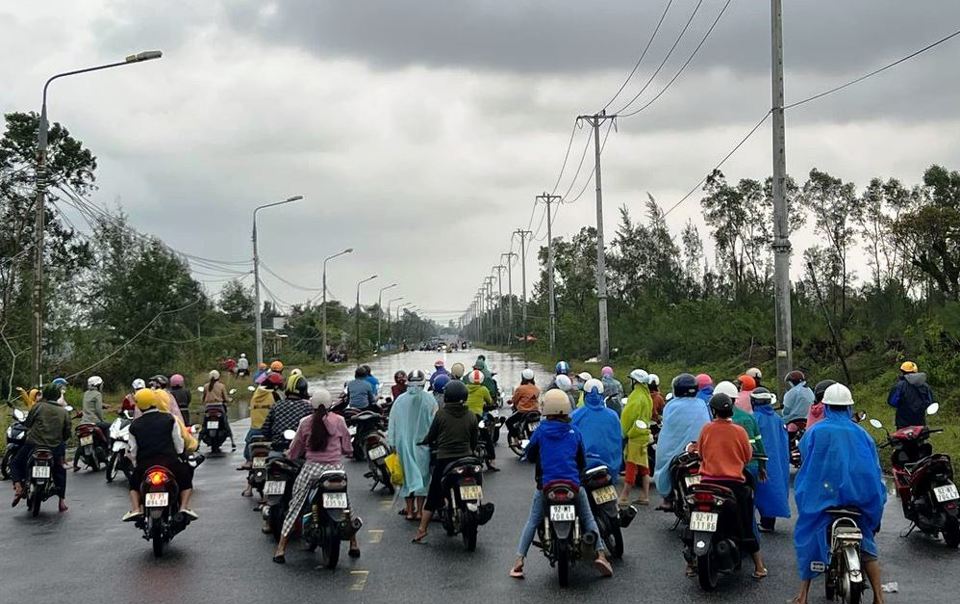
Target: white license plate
[(703, 522), (157, 500), (352, 430), (533, 426), (563, 513), (213, 425), (471, 492), (259, 462), (336, 501), (378, 452), (119, 445), (86, 440), (604, 494), (692, 480), (947, 492), (41, 471), (273, 487)]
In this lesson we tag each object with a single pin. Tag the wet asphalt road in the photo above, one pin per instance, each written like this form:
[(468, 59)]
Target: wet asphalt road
[(88, 555)]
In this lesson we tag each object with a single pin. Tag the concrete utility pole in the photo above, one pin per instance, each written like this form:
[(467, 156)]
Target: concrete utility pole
[(510, 256), (781, 223), (480, 311), (488, 285), (523, 272), (499, 268), (548, 199), (595, 121)]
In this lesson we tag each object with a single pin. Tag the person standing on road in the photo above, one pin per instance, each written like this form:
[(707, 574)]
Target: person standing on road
[(453, 435), (639, 408), (360, 393), (797, 399), (773, 493), (841, 468), (683, 418), (910, 396), (322, 439), (48, 426), (409, 423)]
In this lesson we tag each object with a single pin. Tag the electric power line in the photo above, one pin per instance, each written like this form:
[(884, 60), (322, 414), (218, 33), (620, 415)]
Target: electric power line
[(640, 60)]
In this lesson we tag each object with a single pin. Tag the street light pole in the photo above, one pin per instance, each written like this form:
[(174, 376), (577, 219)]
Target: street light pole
[(40, 217), (380, 311), (371, 278), (389, 304), (256, 273), (349, 250)]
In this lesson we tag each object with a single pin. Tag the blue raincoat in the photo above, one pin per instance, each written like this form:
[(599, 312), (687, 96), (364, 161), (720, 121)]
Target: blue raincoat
[(410, 420), (683, 419), (600, 429), (773, 496), (840, 469)]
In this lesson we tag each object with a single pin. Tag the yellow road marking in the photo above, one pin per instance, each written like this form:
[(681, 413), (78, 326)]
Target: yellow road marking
[(376, 535), (359, 579)]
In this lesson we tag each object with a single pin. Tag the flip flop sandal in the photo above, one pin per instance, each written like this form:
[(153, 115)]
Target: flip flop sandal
[(760, 575), (354, 553), (691, 572), (280, 559), (419, 539), (517, 573)]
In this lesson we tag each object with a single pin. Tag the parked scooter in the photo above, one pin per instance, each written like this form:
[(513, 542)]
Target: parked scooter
[(924, 481), (603, 503), (119, 443), (92, 447), (160, 494), (329, 520), (560, 535), (463, 509), (16, 436)]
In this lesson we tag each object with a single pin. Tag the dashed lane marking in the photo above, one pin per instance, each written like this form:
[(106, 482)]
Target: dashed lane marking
[(359, 579), (376, 535)]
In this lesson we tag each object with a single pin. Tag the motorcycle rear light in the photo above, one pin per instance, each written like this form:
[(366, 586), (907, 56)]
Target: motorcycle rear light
[(703, 507), (156, 478), (560, 495), (468, 481), (703, 497)]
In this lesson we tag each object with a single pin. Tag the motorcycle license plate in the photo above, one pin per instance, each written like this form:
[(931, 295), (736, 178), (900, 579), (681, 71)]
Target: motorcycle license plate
[(947, 492), (259, 462), (563, 513), (378, 452), (41, 472), (703, 522), (119, 446), (605, 494), (692, 480), (86, 440), (273, 487), (471, 492), (157, 500), (352, 430), (213, 425), (337, 501)]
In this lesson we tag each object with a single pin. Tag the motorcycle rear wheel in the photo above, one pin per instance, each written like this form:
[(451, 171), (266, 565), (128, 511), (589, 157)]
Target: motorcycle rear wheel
[(614, 541), (468, 530), (331, 553), (951, 533), (276, 514), (156, 538), (707, 573), (563, 564), (35, 500)]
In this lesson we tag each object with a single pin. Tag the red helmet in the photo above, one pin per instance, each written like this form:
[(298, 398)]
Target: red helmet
[(438, 363), (274, 379), (176, 380)]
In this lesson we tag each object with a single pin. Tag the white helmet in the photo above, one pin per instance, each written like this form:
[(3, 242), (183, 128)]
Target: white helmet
[(214, 375), (754, 373), (727, 388), (839, 395), (583, 377), (593, 384), (138, 384), (243, 355), (321, 398), (563, 382), (556, 403), (640, 376), (416, 379), (527, 374), (653, 379), (94, 381), (476, 377)]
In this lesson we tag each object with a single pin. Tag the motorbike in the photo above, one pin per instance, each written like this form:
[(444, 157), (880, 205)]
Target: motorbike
[(844, 579), (16, 436), (281, 473), (360, 424), (489, 425), (329, 520), (160, 495), (795, 430), (685, 470), (213, 428), (92, 447), (119, 443), (560, 535), (520, 432), (376, 450), (924, 481), (463, 509), (602, 495), (40, 485), (257, 474), (652, 447)]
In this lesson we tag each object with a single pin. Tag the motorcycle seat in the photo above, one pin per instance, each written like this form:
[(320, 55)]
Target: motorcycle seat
[(42, 453), (332, 474), (843, 512), (561, 483), (596, 470), (463, 461)]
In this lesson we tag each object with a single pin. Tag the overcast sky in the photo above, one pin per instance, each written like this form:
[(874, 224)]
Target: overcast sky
[(420, 132)]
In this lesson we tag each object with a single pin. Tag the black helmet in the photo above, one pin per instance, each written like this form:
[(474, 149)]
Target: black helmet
[(51, 393), (300, 388), (160, 380), (455, 392), (684, 385), (721, 404), (820, 389)]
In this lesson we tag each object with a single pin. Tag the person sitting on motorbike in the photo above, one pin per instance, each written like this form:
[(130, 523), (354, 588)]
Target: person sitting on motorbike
[(260, 375), (285, 414), (181, 396), (725, 452), (683, 418), (525, 398), (156, 439), (556, 447), (773, 493), (639, 408), (491, 384), (29, 398), (438, 385), (910, 396), (129, 404), (562, 368), (457, 371), (215, 393), (600, 429), (62, 384), (453, 435), (478, 401), (565, 385), (409, 422), (845, 472), (612, 389), (261, 402), (243, 365), (704, 388), (438, 370), (322, 439), (746, 384), (48, 426), (374, 382), (817, 409), (756, 374), (360, 393), (399, 384), (756, 467), (797, 399), (658, 401), (582, 378), (93, 406)]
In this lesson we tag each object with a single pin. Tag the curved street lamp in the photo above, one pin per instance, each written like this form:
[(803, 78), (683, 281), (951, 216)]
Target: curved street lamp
[(359, 283), (349, 250)]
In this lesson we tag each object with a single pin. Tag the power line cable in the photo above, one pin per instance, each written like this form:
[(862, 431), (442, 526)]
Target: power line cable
[(640, 60)]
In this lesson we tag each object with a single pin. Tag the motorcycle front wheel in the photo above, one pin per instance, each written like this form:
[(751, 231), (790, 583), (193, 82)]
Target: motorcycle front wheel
[(5, 464), (707, 573), (111, 470), (951, 533)]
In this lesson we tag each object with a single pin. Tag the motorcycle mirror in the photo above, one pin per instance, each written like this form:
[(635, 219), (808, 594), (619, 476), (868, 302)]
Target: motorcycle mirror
[(641, 424), (876, 424), (199, 388), (932, 409), (68, 408), (524, 443), (251, 388), (289, 434), (194, 428), (19, 415), (233, 391), (859, 416), (482, 424)]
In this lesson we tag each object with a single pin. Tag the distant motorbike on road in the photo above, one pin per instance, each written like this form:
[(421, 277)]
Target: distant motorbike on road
[(361, 423), (376, 449), (213, 428), (16, 437), (603, 503), (160, 495), (257, 474), (463, 509), (119, 443)]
